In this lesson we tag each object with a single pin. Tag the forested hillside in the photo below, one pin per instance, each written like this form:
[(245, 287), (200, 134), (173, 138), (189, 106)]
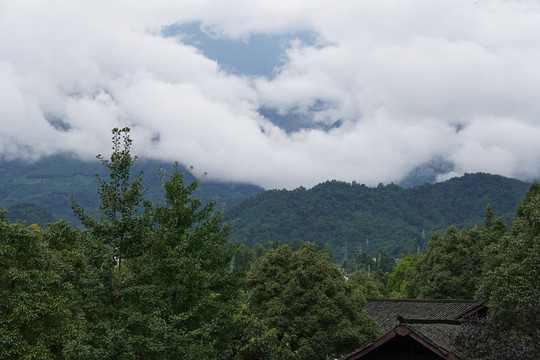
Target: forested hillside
[(156, 280), (352, 218), (39, 192), (161, 280)]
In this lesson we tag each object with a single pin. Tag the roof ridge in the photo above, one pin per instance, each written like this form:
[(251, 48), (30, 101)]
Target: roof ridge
[(471, 301), (406, 321)]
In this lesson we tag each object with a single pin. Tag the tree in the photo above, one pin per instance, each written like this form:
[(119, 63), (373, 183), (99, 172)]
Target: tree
[(123, 227), (511, 277), (120, 226), (182, 293), (166, 290), (86, 266), (365, 262), (37, 312), (511, 282), (399, 282), (369, 286), (385, 263), (254, 339), (305, 295), (451, 267)]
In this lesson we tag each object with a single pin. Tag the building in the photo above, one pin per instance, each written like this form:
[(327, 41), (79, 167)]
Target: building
[(416, 329)]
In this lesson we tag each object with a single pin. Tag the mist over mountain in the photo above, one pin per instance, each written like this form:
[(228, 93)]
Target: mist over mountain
[(429, 173), (278, 95), (348, 216), (40, 191)]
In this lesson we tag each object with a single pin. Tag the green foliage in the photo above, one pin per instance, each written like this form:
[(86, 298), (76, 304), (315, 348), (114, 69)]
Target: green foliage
[(156, 280), (363, 261), (163, 288), (399, 282), (255, 340), (385, 263), (120, 227), (87, 266), (29, 211), (37, 312), (356, 218), (247, 254), (511, 283), (380, 278), (451, 267), (305, 295), (370, 286), (183, 275), (120, 198), (39, 192), (511, 277)]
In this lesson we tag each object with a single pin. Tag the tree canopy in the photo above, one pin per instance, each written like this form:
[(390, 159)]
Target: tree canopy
[(142, 280), (304, 295), (451, 267), (511, 282), (511, 277), (354, 218)]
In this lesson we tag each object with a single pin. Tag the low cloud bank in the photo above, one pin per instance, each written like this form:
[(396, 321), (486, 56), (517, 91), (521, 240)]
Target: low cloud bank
[(405, 83)]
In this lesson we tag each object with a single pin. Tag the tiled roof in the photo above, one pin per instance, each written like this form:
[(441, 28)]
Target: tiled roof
[(440, 335), (433, 321), (415, 311)]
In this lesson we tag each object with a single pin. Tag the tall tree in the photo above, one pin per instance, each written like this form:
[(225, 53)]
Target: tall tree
[(304, 294), (171, 292), (451, 267), (121, 224), (512, 264), (182, 293), (511, 281)]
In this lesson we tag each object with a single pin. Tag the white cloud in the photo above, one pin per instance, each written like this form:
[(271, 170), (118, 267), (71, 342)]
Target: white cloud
[(411, 80)]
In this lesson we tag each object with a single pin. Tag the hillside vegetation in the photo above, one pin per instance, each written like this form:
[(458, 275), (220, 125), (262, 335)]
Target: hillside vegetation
[(39, 192), (354, 218), (346, 218), (155, 280), (160, 279)]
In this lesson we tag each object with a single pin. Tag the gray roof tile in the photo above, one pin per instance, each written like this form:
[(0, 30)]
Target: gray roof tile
[(386, 311)]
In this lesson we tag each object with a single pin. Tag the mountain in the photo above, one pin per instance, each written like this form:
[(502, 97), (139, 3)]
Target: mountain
[(353, 217), (40, 192), (348, 217), (426, 173)]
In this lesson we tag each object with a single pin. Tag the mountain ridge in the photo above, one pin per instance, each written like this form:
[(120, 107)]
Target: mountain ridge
[(352, 217), (46, 186)]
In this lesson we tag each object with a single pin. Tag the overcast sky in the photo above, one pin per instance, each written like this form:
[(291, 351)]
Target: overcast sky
[(408, 81)]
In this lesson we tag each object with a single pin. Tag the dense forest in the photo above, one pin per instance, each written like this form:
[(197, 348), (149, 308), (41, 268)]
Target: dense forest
[(39, 192), (160, 279), (347, 219), (354, 218), (157, 280)]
